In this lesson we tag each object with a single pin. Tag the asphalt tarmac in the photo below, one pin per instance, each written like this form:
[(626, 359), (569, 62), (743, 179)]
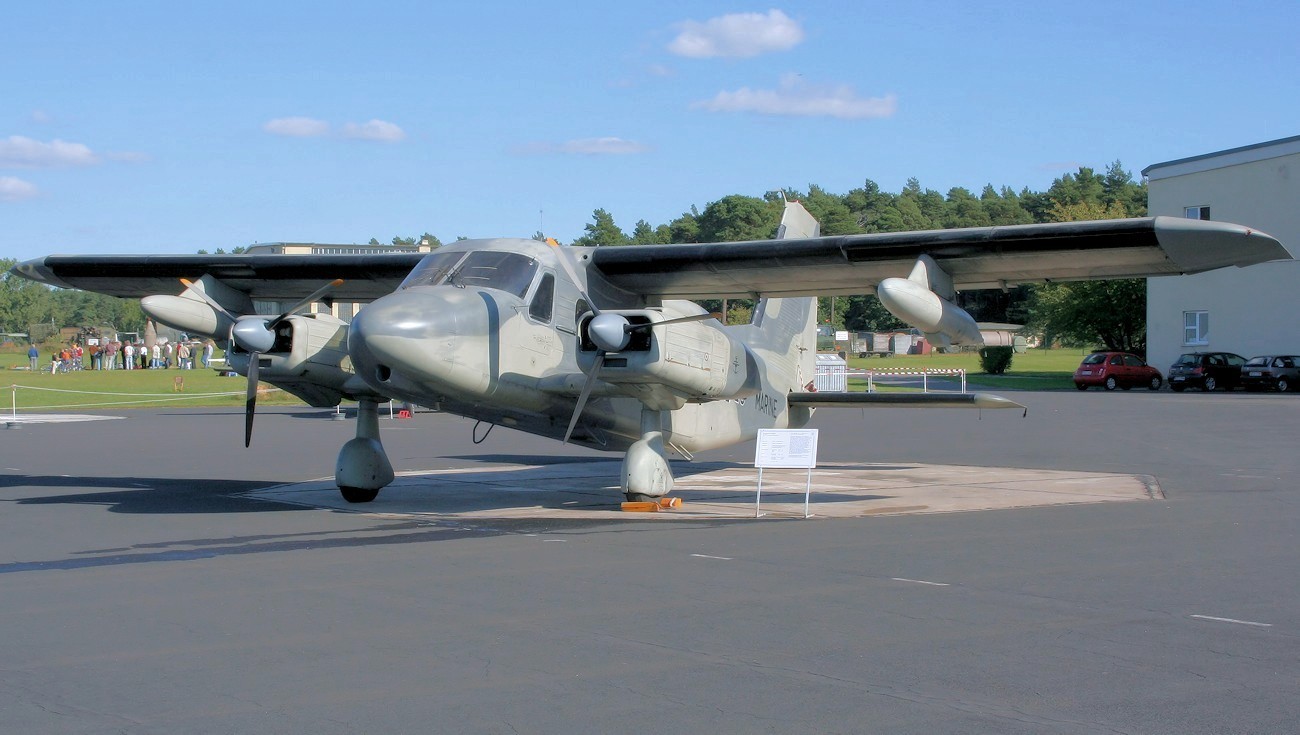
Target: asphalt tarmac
[(148, 585)]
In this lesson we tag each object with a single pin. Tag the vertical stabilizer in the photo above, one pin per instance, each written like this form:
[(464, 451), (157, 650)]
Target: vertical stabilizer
[(784, 331)]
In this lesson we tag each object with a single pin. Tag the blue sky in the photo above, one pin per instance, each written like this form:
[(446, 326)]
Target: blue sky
[(169, 127)]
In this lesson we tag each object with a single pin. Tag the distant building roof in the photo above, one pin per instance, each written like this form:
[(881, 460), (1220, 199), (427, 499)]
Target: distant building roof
[(1222, 159), (313, 248)]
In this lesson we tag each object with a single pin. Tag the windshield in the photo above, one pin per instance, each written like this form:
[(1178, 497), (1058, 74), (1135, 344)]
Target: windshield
[(509, 272), (1188, 360), (1258, 360), (1095, 358), (432, 269)]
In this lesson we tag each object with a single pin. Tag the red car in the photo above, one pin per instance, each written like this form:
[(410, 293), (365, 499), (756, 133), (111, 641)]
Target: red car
[(1111, 370)]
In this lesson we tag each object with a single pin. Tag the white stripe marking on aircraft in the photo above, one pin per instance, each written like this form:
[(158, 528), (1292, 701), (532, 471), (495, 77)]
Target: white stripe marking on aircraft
[(921, 581)]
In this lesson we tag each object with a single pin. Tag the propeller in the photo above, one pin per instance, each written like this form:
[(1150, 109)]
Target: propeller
[(610, 332), (256, 334)]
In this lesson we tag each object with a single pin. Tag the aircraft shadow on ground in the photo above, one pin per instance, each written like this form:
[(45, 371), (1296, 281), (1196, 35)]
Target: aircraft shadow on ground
[(156, 495), (144, 495)]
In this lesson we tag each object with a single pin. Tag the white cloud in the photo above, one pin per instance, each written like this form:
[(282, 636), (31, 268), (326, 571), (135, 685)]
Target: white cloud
[(19, 152), (379, 130), (608, 146), (739, 35), (12, 189), (602, 146), (41, 116), (796, 97), (297, 127)]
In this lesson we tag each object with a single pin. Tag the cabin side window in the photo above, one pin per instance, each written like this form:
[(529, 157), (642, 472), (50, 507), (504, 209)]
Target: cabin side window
[(543, 299)]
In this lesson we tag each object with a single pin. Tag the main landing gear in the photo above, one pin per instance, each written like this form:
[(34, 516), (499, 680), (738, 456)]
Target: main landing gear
[(363, 467), (646, 476)]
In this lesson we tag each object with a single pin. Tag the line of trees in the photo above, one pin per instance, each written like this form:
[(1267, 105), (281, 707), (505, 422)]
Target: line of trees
[(1110, 313)]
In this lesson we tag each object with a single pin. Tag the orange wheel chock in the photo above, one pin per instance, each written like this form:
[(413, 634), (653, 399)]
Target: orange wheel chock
[(638, 507)]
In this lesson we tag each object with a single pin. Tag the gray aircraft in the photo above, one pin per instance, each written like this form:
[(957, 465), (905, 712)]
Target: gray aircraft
[(602, 346)]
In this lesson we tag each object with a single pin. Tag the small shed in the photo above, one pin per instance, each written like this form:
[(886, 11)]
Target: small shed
[(832, 374)]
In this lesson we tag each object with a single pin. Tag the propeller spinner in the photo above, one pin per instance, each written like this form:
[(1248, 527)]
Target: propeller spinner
[(255, 334)]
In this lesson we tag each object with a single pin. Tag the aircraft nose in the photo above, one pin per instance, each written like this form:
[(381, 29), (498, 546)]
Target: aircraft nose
[(419, 341)]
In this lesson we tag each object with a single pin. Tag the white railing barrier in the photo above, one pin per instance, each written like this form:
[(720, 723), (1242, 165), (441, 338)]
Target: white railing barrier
[(925, 376)]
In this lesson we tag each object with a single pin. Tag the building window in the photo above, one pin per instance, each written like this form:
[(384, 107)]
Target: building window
[(1197, 212), (1196, 327)]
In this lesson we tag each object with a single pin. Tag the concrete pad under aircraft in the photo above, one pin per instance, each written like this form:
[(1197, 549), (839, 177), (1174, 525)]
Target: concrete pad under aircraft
[(715, 490)]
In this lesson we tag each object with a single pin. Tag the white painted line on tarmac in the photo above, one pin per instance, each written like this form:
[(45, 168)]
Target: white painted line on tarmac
[(719, 558), (921, 581), (1232, 620)]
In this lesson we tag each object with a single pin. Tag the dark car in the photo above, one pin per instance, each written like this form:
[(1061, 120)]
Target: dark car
[(1111, 370), (1271, 371), (1206, 370)]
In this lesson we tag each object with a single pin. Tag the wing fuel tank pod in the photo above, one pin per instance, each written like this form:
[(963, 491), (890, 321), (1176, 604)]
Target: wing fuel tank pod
[(924, 300), (192, 311)]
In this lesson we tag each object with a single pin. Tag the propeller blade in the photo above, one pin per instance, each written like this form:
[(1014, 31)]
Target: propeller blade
[(315, 296), (187, 283), (250, 402), (629, 328), (586, 392)]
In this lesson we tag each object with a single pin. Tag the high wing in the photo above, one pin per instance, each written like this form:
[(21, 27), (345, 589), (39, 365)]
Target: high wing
[(271, 277), (976, 258)]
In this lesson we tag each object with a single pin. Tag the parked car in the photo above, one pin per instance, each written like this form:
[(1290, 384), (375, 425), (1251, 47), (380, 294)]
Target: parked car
[(1111, 370), (1206, 370), (1271, 371)]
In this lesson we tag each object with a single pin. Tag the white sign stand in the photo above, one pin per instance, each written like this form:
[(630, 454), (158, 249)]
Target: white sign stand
[(785, 449)]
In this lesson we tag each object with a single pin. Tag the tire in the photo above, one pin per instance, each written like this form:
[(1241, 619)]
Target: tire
[(1155, 383), (1081, 386), (1110, 384), (1209, 384), (358, 494), (1283, 385)]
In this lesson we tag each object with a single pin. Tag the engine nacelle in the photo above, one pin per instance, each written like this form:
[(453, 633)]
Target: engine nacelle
[(698, 361), (309, 359)]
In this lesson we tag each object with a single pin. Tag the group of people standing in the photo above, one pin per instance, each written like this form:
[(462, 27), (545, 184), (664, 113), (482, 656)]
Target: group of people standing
[(115, 355)]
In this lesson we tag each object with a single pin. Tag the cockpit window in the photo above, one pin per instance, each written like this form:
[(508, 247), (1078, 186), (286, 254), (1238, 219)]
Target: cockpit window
[(510, 272), (432, 270)]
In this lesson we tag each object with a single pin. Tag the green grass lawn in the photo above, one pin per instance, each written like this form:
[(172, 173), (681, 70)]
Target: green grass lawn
[(88, 389), (1032, 370)]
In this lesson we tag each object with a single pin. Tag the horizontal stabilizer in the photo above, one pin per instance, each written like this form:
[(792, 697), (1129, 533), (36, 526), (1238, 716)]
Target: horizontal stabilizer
[(902, 400)]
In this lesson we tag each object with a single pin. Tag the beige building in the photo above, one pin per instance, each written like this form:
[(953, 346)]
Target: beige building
[(344, 310), (1249, 311)]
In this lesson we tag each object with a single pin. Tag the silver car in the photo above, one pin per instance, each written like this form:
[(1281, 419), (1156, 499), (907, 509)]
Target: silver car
[(1281, 372)]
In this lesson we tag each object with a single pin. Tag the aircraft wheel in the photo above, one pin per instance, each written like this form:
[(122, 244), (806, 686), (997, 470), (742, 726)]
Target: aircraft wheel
[(1111, 384), (358, 494)]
